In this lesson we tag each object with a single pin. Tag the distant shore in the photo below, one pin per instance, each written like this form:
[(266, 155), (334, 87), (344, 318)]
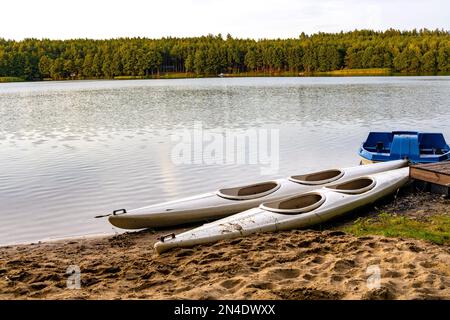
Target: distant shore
[(297, 264), (371, 72)]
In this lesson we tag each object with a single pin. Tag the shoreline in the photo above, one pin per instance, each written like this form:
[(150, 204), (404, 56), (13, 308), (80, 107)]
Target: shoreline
[(96, 236), (59, 239), (373, 72), (297, 264)]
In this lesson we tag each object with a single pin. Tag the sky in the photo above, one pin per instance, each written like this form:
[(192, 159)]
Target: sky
[(99, 19)]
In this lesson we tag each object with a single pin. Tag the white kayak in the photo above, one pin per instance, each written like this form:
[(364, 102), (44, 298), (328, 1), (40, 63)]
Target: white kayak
[(225, 202), (294, 212)]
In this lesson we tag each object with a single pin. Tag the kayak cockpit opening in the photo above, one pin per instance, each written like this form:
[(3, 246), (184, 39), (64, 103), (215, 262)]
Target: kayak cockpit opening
[(252, 191), (320, 177), (299, 204), (355, 186)]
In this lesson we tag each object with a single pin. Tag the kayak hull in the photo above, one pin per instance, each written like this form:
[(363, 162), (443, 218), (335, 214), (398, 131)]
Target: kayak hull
[(273, 216), (225, 202)]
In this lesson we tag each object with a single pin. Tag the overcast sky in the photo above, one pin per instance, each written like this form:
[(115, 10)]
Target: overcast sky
[(65, 19)]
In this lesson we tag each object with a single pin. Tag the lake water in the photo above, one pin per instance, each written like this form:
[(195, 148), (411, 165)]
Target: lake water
[(72, 150)]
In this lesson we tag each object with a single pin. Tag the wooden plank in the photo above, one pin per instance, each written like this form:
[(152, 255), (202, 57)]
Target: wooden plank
[(434, 171), (442, 167), (419, 173)]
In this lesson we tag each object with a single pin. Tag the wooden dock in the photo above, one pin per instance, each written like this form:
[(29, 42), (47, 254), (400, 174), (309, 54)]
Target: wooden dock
[(436, 176)]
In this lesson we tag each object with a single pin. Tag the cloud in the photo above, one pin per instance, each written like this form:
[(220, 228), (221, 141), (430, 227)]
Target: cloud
[(256, 19)]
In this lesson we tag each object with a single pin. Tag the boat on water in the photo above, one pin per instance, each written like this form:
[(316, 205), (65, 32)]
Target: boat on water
[(228, 201), (417, 147), (299, 211)]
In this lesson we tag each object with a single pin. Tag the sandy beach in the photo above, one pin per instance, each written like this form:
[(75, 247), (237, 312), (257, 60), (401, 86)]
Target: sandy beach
[(331, 117), (298, 264)]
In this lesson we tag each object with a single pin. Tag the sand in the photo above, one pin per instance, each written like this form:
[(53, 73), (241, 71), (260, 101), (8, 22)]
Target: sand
[(298, 264)]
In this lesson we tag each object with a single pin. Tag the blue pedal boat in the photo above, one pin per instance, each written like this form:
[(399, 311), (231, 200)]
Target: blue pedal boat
[(417, 147)]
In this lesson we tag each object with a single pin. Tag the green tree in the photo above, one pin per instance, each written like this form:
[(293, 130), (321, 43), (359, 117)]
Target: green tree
[(189, 63), (87, 66), (45, 64), (404, 51), (200, 61), (409, 60), (154, 60), (57, 69), (429, 63), (443, 59)]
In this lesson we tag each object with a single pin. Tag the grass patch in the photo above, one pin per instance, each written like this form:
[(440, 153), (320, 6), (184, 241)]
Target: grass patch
[(337, 73), (263, 74), (177, 75), (11, 79), (354, 72), (166, 75), (129, 77), (435, 229)]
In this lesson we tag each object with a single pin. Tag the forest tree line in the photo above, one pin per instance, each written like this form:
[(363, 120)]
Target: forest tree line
[(416, 51)]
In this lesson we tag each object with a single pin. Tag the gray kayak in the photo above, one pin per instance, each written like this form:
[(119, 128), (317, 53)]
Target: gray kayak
[(299, 211), (228, 201)]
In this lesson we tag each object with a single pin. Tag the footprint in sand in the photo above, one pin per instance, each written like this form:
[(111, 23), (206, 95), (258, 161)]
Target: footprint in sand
[(427, 264), (283, 273), (343, 265), (183, 289), (355, 283), (304, 243), (38, 285), (264, 285), (317, 260), (315, 271), (371, 244), (213, 256), (430, 279), (409, 266), (391, 259), (308, 276), (392, 274), (230, 283), (336, 278), (382, 293), (184, 253)]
